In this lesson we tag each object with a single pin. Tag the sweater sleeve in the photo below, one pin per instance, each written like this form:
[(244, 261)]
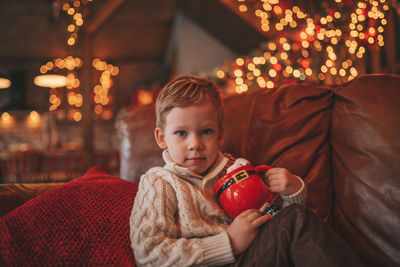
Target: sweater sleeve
[(155, 236), (299, 197)]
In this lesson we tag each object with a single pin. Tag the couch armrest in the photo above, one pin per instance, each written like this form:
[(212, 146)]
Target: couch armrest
[(14, 195)]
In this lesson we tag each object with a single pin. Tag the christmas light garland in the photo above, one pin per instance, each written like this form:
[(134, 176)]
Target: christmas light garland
[(77, 10), (321, 46)]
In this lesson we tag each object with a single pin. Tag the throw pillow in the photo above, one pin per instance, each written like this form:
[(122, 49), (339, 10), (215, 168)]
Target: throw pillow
[(82, 222)]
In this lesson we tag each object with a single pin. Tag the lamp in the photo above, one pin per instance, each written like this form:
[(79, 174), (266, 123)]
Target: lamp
[(50, 80), (4, 83)]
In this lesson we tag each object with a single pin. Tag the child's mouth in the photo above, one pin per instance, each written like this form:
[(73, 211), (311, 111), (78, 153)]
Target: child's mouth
[(196, 159)]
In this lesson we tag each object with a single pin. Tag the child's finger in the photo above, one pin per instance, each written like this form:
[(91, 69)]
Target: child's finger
[(275, 182), (272, 178), (275, 176), (247, 212), (274, 171), (254, 215), (276, 189), (261, 220)]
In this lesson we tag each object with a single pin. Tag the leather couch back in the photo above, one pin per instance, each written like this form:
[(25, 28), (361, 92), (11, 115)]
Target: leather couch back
[(365, 137), (287, 127)]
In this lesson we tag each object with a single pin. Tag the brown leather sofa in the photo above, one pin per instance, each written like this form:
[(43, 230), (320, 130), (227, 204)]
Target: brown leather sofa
[(344, 141)]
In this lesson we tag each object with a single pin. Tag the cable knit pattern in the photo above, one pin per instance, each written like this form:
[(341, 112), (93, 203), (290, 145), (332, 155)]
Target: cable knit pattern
[(300, 197), (167, 213), (175, 221)]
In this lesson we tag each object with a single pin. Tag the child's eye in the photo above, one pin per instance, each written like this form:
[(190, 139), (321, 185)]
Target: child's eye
[(207, 131), (180, 133)]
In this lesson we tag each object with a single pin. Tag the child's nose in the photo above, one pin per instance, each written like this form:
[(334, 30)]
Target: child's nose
[(195, 142)]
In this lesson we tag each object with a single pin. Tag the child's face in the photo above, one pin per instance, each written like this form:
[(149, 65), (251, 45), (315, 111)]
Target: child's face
[(192, 136)]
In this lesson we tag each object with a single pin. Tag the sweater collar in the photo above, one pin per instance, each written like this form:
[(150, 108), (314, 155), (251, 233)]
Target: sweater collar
[(193, 177)]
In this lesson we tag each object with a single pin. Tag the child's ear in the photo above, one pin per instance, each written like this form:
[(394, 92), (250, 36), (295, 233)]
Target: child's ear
[(221, 136), (160, 138)]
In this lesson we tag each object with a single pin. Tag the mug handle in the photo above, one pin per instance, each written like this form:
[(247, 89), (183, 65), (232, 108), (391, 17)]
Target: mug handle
[(262, 168)]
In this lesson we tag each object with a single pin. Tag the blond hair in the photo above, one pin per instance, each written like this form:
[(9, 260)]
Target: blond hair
[(187, 90)]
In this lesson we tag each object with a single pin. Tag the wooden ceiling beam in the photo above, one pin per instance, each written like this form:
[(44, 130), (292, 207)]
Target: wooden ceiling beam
[(102, 15), (221, 22)]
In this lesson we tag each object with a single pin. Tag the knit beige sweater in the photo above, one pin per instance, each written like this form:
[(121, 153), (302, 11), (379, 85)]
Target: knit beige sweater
[(176, 221)]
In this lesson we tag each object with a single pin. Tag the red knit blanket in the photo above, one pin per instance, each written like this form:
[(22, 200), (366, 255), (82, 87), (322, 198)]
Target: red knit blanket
[(82, 222)]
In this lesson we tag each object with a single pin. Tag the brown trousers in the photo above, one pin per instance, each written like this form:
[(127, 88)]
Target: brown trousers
[(295, 236)]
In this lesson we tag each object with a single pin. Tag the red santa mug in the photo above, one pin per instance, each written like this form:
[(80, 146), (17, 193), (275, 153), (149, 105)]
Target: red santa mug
[(242, 189)]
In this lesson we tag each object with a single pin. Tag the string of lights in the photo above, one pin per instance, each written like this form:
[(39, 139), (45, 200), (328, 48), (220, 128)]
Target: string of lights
[(324, 45), (69, 66), (77, 10)]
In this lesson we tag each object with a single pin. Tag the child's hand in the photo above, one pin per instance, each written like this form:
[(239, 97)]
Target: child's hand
[(244, 228), (280, 180)]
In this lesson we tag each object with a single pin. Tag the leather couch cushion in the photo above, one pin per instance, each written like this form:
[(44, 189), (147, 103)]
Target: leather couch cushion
[(82, 222), (287, 127), (14, 195), (366, 165), (138, 148)]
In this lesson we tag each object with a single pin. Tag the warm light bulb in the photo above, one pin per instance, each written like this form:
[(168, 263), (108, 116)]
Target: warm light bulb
[(98, 109), (242, 8), (272, 46), (4, 83), (279, 27), (256, 60), (238, 90), (239, 81), (239, 61), (50, 80), (71, 28), (270, 84), (220, 74), (79, 22), (6, 120), (238, 73), (244, 87), (5, 116), (71, 41), (77, 116), (272, 73), (33, 120), (265, 27)]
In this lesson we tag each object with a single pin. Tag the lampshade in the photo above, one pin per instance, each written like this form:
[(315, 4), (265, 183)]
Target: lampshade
[(4, 83), (50, 80)]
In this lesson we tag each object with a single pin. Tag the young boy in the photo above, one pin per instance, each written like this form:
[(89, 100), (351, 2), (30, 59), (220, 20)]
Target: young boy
[(176, 221)]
